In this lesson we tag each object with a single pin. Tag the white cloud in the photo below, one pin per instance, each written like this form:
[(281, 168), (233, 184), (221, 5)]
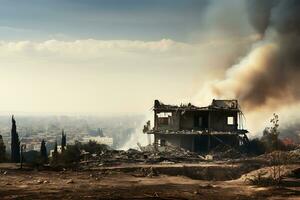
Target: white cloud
[(92, 48), (106, 75)]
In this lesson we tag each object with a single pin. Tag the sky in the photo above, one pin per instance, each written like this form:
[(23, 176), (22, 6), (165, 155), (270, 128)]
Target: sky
[(100, 19), (103, 56), (117, 56)]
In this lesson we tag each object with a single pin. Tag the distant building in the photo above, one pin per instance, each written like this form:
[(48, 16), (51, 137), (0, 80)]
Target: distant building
[(58, 150), (198, 128)]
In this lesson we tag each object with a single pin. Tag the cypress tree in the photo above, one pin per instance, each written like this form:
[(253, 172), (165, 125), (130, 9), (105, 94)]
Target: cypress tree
[(55, 148), (2, 150), (44, 154), (15, 142), (54, 160), (63, 141)]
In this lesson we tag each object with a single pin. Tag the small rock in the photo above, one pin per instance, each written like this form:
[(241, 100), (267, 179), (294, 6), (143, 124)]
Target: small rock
[(45, 181), (5, 172), (70, 181)]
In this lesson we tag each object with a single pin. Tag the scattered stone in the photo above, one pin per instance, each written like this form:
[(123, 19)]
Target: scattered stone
[(70, 181), (208, 157), (166, 162), (208, 186), (146, 172)]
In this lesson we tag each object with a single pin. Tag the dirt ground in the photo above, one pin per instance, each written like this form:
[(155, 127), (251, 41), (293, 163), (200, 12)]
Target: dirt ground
[(114, 184)]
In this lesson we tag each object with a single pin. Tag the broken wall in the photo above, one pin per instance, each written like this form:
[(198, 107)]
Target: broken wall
[(219, 120), (194, 120), (171, 122)]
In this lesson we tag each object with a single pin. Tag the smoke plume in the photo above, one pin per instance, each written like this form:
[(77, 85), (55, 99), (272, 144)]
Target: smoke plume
[(269, 74), (266, 79)]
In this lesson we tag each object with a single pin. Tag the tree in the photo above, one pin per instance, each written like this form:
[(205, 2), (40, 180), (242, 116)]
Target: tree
[(32, 158), (63, 140), (55, 148), (15, 143), (44, 155), (147, 127), (271, 134), (71, 156), (2, 150), (56, 157)]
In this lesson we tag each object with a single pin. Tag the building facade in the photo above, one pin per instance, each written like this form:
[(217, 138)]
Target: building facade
[(199, 128)]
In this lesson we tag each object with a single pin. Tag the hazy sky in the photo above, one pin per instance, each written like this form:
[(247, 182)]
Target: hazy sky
[(113, 56), (100, 19)]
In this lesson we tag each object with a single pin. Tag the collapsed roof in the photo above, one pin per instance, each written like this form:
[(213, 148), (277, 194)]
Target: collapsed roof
[(215, 105)]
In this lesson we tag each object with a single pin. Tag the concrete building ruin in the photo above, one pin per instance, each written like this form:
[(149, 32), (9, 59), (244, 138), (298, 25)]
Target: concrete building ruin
[(199, 128)]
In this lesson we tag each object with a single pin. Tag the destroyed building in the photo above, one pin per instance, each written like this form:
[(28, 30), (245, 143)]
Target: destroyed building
[(199, 128)]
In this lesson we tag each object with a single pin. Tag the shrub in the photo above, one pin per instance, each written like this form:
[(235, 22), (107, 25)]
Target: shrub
[(93, 147), (255, 147), (2, 150), (69, 158), (271, 134), (33, 158)]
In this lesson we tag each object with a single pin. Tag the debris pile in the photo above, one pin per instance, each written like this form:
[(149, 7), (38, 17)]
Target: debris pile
[(282, 157), (222, 152), (119, 156), (146, 172), (148, 154), (171, 154)]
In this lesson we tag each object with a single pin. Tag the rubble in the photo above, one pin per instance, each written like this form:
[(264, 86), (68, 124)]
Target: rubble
[(169, 155), (146, 172), (225, 152), (284, 156), (148, 154)]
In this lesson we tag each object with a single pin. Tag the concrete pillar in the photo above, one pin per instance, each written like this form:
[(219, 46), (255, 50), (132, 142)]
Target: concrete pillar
[(155, 142), (155, 120), (208, 142)]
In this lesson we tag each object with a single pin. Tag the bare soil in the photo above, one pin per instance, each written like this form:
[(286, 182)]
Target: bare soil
[(128, 182)]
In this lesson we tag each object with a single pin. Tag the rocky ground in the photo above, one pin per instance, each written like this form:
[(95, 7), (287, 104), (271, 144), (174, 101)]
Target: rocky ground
[(136, 181)]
